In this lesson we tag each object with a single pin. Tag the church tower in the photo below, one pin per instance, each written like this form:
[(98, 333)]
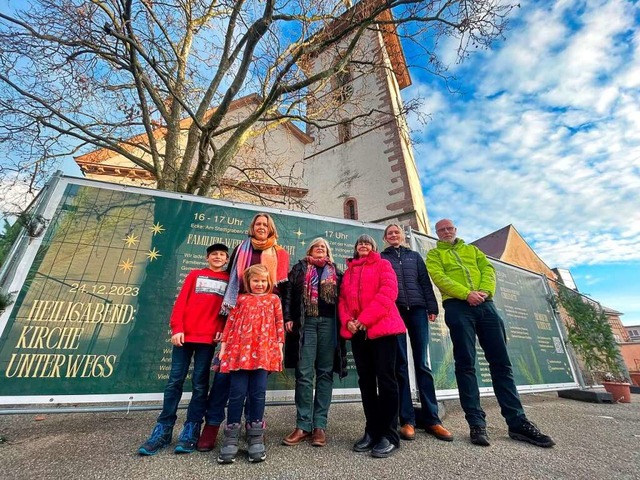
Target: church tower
[(361, 164), (355, 161)]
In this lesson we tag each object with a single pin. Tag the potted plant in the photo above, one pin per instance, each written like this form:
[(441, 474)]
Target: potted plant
[(618, 386), (590, 335)]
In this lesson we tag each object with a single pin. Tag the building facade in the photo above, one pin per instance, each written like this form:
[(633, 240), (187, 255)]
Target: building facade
[(356, 162)]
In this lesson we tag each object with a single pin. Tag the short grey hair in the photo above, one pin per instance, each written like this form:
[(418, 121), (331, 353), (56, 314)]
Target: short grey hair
[(365, 239)]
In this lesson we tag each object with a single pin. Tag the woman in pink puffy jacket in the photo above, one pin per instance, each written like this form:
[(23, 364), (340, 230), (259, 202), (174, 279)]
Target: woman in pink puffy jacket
[(370, 319)]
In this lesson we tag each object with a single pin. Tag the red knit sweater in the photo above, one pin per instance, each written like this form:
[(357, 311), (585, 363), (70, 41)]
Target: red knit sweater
[(196, 312)]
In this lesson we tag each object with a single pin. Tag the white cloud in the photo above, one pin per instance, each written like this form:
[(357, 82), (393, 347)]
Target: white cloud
[(548, 138), (16, 196)]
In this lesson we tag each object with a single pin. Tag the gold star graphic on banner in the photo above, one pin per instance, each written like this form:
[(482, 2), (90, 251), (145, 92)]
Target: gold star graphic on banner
[(126, 265), (130, 240), (303, 243), (157, 228), (153, 254), (298, 233)]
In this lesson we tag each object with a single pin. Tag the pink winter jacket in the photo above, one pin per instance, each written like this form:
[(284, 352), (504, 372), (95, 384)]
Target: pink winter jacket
[(368, 293)]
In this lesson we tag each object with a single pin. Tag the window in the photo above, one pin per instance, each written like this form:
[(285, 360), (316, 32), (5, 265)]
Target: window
[(351, 208), (343, 86)]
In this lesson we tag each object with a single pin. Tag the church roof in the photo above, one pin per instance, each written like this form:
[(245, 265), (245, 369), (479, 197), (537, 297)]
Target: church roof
[(508, 245), (611, 311), (495, 243), (102, 154)]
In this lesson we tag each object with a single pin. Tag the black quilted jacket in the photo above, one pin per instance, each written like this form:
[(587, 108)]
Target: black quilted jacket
[(414, 285)]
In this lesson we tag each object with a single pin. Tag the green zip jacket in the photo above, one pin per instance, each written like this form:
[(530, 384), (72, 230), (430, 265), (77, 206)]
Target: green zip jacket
[(459, 269)]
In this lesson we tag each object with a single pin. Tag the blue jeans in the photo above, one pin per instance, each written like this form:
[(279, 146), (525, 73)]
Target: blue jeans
[(316, 357), (217, 401), (218, 398), (417, 323), (251, 384), (202, 354), (465, 324)]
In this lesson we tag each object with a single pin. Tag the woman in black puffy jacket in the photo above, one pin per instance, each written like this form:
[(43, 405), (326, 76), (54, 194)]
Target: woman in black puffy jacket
[(418, 306)]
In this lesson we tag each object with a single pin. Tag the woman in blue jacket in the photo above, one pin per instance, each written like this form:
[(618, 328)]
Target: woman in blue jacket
[(418, 306)]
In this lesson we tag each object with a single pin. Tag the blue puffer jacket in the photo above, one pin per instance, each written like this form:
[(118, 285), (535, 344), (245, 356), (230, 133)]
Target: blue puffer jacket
[(414, 285)]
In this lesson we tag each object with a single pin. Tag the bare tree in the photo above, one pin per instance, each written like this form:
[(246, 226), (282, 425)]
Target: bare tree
[(77, 75)]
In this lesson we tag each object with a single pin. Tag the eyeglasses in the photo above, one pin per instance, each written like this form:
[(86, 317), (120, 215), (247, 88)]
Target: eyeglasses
[(446, 229)]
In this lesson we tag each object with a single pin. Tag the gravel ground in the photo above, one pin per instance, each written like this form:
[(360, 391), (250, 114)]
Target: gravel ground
[(594, 441)]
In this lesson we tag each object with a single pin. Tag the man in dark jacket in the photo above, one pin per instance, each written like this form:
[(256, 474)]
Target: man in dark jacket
[(418, 306)]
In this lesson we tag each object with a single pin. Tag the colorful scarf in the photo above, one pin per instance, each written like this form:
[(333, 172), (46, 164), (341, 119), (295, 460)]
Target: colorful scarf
[(327, 283), (272, 256)]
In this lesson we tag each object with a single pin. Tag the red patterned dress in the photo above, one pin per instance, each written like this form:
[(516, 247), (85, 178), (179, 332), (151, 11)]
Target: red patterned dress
[(252, 333)]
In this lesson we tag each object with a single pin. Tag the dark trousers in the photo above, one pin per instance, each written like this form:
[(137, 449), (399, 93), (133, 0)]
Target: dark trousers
[(417, 323), (465, 324), (250, 384), (217, 400), (375, 363), (202, 353)]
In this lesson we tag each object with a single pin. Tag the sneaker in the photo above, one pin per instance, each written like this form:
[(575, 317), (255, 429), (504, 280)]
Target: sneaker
[(160, 438), (528, 432), (188, 438), (479, 435)]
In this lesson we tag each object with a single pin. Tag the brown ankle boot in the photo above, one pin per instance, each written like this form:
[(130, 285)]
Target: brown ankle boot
[(297, 436), (207, 439)]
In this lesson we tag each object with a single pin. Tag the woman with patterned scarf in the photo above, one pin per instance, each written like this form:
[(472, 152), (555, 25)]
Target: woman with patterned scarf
[(260, 248), (313, 345)]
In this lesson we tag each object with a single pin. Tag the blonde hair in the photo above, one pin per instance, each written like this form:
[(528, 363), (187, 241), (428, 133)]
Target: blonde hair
[(398, 226), (253, 271), (273, 232), (315, 242)]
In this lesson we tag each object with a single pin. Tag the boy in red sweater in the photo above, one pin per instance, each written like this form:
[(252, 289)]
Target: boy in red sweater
[(196, 324)]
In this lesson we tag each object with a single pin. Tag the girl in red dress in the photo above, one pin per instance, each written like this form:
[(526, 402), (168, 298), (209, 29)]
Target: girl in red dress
[(251, 348)]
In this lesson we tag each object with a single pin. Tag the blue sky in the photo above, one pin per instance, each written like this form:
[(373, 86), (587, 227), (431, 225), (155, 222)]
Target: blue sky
[(544, 134)]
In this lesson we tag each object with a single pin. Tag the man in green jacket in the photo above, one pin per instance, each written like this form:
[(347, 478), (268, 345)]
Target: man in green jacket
[(467, 282)]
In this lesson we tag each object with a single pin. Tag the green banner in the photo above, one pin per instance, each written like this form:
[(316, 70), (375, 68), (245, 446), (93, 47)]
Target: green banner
[(93, 314), (533, 339)]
